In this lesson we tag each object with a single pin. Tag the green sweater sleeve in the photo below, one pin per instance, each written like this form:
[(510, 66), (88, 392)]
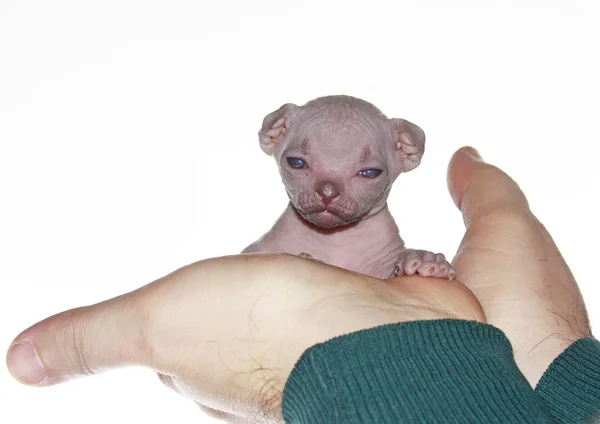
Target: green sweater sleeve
[(571, 384), (444, 371)]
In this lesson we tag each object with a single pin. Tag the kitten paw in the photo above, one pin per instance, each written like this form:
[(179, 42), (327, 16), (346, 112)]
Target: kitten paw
[(424, 263)]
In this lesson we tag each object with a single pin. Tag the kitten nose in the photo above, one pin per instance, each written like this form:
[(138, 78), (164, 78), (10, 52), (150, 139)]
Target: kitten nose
[(327, 191)]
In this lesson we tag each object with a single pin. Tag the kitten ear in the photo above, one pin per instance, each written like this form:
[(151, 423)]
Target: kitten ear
[(274, 127), (410, 143)]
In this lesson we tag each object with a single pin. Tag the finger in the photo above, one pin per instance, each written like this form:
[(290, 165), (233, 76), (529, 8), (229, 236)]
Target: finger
[(510, 262), (479, 189), (78, 342)]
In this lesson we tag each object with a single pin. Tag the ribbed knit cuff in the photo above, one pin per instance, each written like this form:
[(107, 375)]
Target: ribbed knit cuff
[(443, 371), (571, 384)]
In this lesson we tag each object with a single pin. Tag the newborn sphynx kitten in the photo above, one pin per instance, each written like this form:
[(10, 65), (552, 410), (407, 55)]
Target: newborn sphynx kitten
[(338, 157)]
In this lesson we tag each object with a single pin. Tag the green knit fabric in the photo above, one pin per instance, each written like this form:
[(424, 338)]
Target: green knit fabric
[(571, 384), (444, 371)]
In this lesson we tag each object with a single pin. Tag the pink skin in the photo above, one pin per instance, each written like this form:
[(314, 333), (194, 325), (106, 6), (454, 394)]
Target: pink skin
[(337, 214)]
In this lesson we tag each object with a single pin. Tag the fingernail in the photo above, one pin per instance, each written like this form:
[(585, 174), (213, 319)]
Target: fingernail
[(471, 151), (25, 364)]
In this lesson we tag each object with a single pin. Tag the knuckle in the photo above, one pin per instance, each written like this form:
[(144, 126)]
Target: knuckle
[(509, 219), (143, 330), (75, 345)]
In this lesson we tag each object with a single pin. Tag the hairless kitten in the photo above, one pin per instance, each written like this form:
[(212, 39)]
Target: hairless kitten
[(338, 157)]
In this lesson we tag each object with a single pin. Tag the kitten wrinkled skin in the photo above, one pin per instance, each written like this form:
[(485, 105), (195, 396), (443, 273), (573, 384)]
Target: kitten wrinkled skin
[(338, 157)]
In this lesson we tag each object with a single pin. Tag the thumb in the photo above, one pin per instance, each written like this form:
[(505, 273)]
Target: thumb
[(480, 190), (79, 342)]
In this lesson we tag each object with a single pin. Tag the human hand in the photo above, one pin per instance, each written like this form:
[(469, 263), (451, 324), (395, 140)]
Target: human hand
[(509, 261), (226, 332)]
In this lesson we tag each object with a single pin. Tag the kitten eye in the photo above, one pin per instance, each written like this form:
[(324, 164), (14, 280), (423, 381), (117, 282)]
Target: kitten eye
[(370, 173), (296, 163)]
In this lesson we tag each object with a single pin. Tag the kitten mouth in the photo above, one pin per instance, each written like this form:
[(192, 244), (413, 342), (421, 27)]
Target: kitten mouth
[(327, 215), (326, 219), (320, 210)]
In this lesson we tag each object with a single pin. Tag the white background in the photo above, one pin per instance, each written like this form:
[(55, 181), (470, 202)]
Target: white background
[(128, 142)]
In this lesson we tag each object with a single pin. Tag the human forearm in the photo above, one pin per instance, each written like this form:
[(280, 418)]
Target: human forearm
[(445, 371)]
